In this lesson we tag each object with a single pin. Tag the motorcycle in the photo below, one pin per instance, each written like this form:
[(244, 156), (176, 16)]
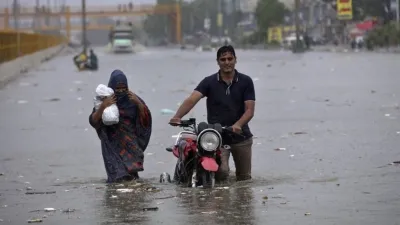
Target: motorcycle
[(198, 149)]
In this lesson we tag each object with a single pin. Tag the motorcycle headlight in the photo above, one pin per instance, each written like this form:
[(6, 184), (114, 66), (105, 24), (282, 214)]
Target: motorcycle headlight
[(209, 141)]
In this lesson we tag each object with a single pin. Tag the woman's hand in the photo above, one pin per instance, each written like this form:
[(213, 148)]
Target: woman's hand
[(108, 101)]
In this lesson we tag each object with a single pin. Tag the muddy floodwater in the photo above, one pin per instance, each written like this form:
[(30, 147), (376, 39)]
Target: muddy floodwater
[(327, 126)]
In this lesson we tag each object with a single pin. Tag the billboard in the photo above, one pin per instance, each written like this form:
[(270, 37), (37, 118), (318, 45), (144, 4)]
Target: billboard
[(344, 9)]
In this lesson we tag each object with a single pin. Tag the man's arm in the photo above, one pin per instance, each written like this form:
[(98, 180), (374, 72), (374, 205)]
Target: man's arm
[(250, 102), (188, 104), (199, 92), (248, 113)]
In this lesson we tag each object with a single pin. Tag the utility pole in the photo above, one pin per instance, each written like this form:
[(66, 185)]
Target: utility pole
[(37, 15), (397, 14), (16, 10), (219, 18), (298, 46), (84, 41)]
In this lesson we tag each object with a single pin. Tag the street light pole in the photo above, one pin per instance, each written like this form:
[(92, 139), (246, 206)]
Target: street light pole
[(397, 14), (219, 18), (84, 42), (298, 47)]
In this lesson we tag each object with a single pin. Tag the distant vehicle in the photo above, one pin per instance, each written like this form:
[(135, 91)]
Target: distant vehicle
[(121, 38), (290, 40)]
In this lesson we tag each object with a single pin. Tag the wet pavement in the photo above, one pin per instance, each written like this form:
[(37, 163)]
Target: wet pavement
[(334, 116)]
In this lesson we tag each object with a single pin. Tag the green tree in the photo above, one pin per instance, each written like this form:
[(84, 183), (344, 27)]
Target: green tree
[(160, 26), (269, 13)]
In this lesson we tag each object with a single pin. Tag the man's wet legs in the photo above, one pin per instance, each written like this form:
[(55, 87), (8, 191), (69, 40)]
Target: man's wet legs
[(223, 171), (242, 153)]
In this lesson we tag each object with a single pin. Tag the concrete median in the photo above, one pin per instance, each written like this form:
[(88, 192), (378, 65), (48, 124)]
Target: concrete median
[(9, 71)]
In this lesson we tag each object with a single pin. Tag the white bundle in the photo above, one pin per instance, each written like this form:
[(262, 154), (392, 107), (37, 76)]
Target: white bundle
[(110, 114)]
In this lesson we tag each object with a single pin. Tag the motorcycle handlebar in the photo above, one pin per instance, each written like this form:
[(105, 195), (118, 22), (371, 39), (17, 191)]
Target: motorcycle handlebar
[(183, 123), (231, 132)]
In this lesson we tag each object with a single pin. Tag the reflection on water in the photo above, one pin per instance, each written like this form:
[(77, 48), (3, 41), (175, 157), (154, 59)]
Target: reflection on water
[(222, 205), (126, 208)]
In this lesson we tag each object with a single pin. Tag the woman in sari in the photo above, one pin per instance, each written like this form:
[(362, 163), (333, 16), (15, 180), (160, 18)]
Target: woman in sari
[(123, 144)]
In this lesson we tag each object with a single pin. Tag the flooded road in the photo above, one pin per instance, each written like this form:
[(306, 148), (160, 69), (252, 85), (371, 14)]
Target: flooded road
[(335, 116)]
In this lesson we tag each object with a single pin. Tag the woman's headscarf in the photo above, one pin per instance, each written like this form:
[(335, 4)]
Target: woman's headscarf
[(117, 79)]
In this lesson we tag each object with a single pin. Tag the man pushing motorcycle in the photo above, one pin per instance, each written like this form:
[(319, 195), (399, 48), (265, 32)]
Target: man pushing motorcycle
[(230, 102)]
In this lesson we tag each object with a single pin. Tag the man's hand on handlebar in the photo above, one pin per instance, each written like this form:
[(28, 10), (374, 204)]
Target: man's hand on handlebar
[(174, 121), (237, 129)]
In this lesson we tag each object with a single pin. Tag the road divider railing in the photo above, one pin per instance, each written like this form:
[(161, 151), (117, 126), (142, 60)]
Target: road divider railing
[(17, 44)]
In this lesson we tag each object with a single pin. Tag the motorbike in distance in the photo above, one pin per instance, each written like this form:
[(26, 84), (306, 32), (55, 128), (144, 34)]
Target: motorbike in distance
[(198, 152)]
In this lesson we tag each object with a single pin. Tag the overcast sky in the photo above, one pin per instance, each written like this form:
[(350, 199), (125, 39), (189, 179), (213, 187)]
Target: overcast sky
[(3, 3)]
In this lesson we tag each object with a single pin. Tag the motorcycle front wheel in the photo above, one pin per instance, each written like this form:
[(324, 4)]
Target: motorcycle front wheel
[(208, 179)]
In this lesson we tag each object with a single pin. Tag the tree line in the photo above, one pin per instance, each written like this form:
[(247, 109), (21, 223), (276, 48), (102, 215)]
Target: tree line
[(268, 13)]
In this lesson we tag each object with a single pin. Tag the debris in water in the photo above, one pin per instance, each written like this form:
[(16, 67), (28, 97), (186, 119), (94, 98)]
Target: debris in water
[(299, 132), (49, 209), (52, 100), (35, 221), (40, 192), (166, 197), (307, 214), (167, 111), (126, 190), (373, 91), (280, 149), (1, 174), (387, 114), (22, 102), (37, 210), (79, 99), (150, 209), (68, 210), (211, 212), (113, 196), (265, 197), (29, 189), (150, 153)]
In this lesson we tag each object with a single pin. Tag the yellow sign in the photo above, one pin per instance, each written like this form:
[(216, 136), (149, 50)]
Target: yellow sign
[(219, 20), (274, 34), (344, 9)]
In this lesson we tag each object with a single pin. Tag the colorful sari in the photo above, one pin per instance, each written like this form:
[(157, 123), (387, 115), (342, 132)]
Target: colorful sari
[(123, 144)]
